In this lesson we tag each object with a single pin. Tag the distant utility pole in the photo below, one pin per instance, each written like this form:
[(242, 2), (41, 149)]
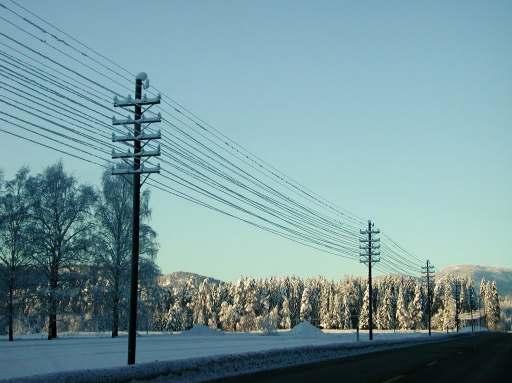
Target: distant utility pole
[(134, 161), (479, 313), (368, 244), (428, 275), (471, 309), (457, 299)]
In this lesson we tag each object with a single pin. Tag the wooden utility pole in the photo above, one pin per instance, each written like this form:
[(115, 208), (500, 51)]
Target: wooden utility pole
[(471, 309), (457, 299), (134, 279), (428, 274), (140, 137), (479, 313), (369, 243)]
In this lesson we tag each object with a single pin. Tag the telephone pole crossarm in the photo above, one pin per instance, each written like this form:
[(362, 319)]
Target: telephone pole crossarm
[(139, 137), (131, 121), (129, 101)]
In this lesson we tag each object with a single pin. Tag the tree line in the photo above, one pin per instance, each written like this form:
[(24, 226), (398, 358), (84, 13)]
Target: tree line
[(400, 303), (65, 252)]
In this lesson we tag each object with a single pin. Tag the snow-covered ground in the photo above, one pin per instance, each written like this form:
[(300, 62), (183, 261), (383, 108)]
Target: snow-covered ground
[(30, 355)]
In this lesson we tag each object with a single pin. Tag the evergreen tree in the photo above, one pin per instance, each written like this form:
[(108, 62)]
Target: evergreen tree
[(326, 303), (267, 322), (212, 306), (347, 314), (449, 309), (199, 304), (482, 297), (305, 305), (337, 310), (385, 315), (286, 321), (274, 318), (403, 317), (228, 316), (364, 312), (310, 303), (493, 310), (295, 299), (417, 309)]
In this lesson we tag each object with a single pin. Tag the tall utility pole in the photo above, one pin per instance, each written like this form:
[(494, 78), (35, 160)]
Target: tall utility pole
[(141, 137), (368, 244), (428, 275)]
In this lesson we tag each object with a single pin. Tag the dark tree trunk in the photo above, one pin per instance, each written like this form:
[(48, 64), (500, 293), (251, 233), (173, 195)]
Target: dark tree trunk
[(52, 323), (115, 309), (115, 320)]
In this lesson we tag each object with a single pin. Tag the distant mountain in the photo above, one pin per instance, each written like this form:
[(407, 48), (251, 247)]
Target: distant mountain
[(502, 275), (179, 277)]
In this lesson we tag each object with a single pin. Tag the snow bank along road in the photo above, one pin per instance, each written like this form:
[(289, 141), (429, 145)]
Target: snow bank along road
[(483, 358), (28, 356)]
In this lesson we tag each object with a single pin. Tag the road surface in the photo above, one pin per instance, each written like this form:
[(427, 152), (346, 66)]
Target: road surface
[(485, 358)]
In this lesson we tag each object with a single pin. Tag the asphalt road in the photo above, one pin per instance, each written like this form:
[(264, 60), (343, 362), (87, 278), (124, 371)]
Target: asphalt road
[(485, 358)]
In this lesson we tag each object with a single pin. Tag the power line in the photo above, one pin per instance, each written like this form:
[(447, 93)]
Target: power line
[(166, 188), (201, 125), (47, 89), (50, 138), (47, 146), (273, 201)]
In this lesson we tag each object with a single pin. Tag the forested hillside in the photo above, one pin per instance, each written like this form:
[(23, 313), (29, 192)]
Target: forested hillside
[(501, 275)]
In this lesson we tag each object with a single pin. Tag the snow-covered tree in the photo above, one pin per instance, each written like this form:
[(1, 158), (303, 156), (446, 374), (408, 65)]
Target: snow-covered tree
[(310, 302), (326, 303), (295, 299), (416, 309), (267, 323), (61, 211), (364, 312), (403, 316), (15, 241), (113, 215), (274, 317), (228, 316), (200, 311), (385, 312), (337, 309), (493, 306), (179, 315), (347, 314), (213, 302), (286, 321), (305, 305), (449, 311)]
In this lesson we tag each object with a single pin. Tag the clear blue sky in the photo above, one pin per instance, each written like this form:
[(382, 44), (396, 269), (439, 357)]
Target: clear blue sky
[(399, 111)]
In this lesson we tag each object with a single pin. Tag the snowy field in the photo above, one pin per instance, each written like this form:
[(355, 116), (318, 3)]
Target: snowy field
[(30, 355)]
